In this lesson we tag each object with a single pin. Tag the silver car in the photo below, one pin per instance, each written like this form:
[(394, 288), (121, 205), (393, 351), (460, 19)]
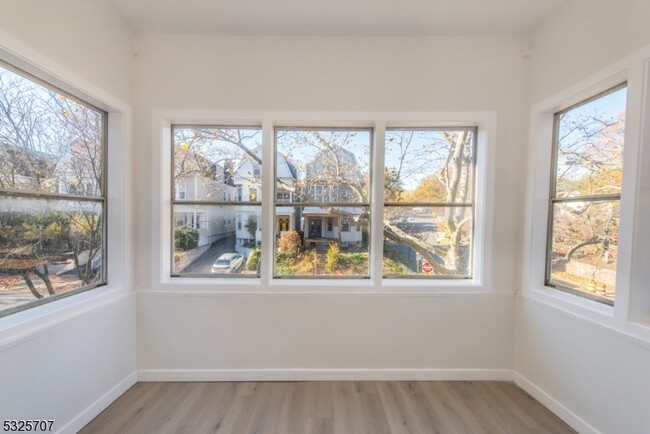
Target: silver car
[(228, 263)]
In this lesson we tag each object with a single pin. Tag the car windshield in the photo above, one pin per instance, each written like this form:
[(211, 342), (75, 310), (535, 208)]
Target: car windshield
[(222, 262)]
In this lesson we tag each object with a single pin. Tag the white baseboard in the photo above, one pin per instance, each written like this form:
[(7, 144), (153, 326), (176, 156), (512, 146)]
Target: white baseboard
[(326, 375), (98, 406), (554, 405)]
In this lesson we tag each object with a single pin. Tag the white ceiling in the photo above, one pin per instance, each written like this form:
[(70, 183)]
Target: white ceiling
[(338, 17)]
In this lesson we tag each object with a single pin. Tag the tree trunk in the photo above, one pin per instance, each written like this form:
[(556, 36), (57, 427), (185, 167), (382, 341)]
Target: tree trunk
[(45, 278), (30, 285), (399, 236)]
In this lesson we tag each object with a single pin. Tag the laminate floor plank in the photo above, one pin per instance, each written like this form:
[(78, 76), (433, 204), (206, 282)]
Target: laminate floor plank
[(327, 407)]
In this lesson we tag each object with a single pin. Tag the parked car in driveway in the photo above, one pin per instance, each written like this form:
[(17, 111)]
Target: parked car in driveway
[(228, 263)]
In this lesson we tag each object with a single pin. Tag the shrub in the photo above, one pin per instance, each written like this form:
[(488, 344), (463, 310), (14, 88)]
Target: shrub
[(305, 264), (282, 263), (332, 257), (395, 268), (186, 239), (253, 261), (289, 242)]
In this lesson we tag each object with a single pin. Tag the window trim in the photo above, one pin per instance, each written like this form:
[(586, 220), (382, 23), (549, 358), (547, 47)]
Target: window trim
[(103, 199), (553, 199), (629, 316), (486, 121)]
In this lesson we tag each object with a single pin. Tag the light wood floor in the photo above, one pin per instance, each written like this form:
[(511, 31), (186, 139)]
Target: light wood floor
[(327, 407)]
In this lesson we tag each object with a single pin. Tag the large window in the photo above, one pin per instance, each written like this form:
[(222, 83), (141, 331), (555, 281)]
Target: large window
[(319, 220), (217, 201), (52, 192), (429, 202), (322, 217), (584, 208)]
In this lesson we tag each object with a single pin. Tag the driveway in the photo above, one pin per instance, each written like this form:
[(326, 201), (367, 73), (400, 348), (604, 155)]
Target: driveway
[(203, 264)]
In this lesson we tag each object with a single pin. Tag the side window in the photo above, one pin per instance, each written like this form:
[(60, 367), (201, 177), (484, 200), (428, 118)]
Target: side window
[(585, 196), (220, 162), (52, 192)]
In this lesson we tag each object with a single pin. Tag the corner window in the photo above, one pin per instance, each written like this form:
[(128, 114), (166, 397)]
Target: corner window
[(216, 163), (585, 196), (52, 192), (312, 164), (429, 203)]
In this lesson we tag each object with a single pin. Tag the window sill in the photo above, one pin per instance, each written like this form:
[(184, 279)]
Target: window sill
[(20, 325), (208, 286), (567, 301)]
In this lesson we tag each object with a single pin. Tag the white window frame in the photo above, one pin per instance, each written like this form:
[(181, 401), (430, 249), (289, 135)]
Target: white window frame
[(486, 123), (630, 313), (554, 199), (469, 205), (318, 193), (119, 260), (76, 196), (205, 202)]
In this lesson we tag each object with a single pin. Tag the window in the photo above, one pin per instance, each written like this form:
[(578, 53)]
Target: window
[(283, 196), (320, 209), (221, 161), (181, 193), (585, 196), (52, 193), (309, 162), (429, 202)]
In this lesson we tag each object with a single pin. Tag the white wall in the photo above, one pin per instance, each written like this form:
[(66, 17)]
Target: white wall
[(586, 365), (69, 366), (88, 38), (68, 359), (598, 375), (581, 38), (216, 331)]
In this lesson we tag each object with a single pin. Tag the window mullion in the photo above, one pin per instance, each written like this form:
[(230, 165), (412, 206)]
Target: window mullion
[(377, 204), (268, 200)]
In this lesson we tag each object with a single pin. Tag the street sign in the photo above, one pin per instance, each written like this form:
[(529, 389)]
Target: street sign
[(426, 267)]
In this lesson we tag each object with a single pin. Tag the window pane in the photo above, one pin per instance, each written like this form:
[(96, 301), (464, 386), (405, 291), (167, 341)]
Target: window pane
[(217, 164), (428, 241), (48, 141), (48, 247), (324, 165), (321, 242), (429, 166), (585, 246), (217, 240), (590, 147)]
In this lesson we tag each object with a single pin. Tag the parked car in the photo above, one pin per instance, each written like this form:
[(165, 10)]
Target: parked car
[(228, 263)]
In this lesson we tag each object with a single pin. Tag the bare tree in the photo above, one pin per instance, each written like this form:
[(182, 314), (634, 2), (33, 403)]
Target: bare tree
[(48, 143)]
